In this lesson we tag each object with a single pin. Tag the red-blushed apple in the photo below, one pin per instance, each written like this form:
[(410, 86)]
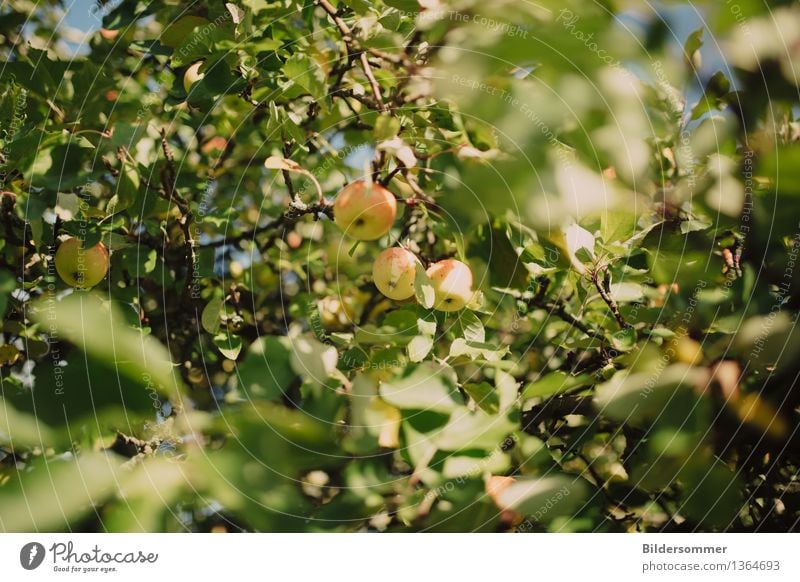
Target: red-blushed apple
[(363, 211), (294, 239), (394, 272), (452, 284), (192, 75), (79, 267), (109, 34), (216, 145)]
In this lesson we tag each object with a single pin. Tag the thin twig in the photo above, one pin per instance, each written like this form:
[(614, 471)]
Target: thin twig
[(556, 308), (287, 177), (604, 289), (352, 48), (288, 218)]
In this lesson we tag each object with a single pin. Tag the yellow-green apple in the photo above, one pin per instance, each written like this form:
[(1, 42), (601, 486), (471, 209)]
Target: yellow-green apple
[(452, 284), (394, 272), (192, 75), (687, 351), (79, 267), (365, 211)]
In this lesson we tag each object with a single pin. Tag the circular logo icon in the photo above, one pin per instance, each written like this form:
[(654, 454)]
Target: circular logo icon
[(31, 555)]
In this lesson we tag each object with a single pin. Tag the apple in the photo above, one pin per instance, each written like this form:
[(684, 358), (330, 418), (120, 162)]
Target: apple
[(394, 272), (452, 284), (216, 145), (192, 75), (687, 351), (79, 267), (364, 211), (108, 34)]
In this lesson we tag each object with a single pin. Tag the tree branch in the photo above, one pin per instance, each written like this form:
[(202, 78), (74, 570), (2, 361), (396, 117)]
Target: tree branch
[(604, 289), (292, 215), (353, 48)]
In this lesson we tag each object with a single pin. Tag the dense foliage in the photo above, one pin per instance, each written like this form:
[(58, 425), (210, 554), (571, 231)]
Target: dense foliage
[(622, 180)]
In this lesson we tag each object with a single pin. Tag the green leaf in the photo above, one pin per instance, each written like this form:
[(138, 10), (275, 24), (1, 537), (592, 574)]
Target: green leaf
[(545, 498), (386, 127), (127, 192), (694, 225), (624, 340), (229, 345), (404, 5), (638, 397), (484, 396), (100, 330), (18, 429), (627, 292), (175, 32), (716, 96), (266, 372), (305, 72), (419, 347), (427, 386), (466, 430), (555, 383), (506, 269), (693, 43), (210, 318), (55, 493), (312, 359), (471, 327), (617, 225), (423, 288)]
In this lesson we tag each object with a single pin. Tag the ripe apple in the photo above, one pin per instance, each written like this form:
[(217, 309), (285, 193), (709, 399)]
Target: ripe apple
[(192, 75), (108, 34), (216, 145), (394, 272), (363, 211), (79, 267), (452, 284)]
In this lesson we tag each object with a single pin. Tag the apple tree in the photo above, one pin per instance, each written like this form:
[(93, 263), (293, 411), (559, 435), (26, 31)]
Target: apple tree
[(399, 265)]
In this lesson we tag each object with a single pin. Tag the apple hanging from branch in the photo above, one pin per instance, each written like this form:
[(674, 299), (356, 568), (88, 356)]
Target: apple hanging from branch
[(394, 271), (192, 75), (452, 284), (365, 211), (79, 267)]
